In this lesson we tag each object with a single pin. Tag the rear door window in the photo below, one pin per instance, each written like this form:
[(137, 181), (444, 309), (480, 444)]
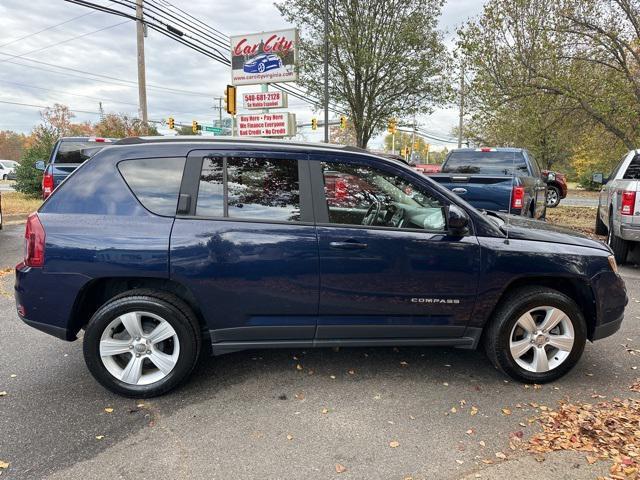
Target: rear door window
[(256, 189), (486, 163), (76, 151), (155, 182), (633, 170)]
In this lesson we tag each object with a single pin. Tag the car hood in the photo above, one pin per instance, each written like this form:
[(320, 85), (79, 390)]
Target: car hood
[(538, 231)]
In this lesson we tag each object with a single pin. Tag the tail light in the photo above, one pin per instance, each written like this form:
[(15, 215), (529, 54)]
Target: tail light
[(628, 203), (517, 197), (341, 189), (34, 238), (47, 184)]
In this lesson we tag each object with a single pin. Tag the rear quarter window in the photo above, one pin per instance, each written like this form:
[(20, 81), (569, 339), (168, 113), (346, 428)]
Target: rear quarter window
[(155, 182), (633, 170)]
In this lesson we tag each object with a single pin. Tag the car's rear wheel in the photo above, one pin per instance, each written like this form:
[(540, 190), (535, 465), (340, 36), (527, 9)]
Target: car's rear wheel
[(142, 343), (4, 177), (619, 246), (536, 336), (601, 228), (553, 196)]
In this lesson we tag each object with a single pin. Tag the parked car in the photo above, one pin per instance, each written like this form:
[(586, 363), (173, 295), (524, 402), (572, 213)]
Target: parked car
[(556, 187), (428, 168), (618, 214), (262, 63), (8, 169), (505, 180), (68, 154), (162, 249)]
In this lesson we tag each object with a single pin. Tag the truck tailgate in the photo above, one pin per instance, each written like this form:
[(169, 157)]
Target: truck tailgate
[(483, 192)]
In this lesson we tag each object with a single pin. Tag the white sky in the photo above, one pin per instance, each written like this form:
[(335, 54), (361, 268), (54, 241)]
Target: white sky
[(112, 52)]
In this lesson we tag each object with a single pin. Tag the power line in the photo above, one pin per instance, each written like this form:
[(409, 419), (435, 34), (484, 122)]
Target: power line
[(121, 82), (46, 29), (63, 41), (44, 107), (68, 93)]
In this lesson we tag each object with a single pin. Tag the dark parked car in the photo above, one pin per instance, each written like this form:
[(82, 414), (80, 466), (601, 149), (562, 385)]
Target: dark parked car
[(501, 179), (163, 249), (68, 154), (262, 63), (557, 187)]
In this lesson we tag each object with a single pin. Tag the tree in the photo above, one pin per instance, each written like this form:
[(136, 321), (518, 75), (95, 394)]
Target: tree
[(114, 125), (186, 130), (12, 145), (418, 145), (42, 140), (579, 56), (386, 57)]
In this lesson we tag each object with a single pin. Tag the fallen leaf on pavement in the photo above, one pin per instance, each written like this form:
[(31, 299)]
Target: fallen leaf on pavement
[(474, 411), (299, 367), (506, 411), (3, 464), (352, 372), (289, 437), (487, 461), (481, 443), (340, 468), (635, 387), (501, 455), (394, 444), (470, 431), (453, 410), (459, 462), (404, 364), (3, 393), (591, 460), (99, 437), (325, 410), (108, 410), (299, 396)]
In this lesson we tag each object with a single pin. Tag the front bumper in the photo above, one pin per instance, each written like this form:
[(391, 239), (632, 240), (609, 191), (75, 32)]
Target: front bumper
[(611, 299)]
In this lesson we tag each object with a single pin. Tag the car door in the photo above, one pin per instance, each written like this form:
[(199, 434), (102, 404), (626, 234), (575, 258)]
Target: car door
[(388, 268), (245, 245)]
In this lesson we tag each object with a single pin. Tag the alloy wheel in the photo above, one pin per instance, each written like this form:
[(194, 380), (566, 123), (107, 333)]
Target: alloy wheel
[(542, 339), (139, 348), (552, 197)]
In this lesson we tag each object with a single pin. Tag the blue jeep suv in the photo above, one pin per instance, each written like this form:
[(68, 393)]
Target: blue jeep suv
[(161, 249)]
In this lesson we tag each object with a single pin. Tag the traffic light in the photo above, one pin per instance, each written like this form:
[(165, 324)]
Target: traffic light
[(392, 126), (230, 99), (172, 123), (343, 122), (416, 145), (195, 127), (314, 124)]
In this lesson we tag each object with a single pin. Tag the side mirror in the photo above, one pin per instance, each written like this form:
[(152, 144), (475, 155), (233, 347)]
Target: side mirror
[(598, 178), (40, 165), (551, 177), (457, 221)]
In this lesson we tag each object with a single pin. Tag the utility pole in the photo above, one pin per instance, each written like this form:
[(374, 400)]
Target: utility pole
[(326, 71), (142, 82), (462, 93)]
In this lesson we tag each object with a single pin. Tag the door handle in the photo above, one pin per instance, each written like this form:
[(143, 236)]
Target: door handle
[(348, 245)]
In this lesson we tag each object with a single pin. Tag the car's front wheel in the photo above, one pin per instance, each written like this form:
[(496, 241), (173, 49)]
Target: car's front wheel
[(142, 343), (553, 196), (536, 336)]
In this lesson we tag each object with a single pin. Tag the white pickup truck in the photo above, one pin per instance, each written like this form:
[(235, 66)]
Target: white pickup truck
[(619, 206)]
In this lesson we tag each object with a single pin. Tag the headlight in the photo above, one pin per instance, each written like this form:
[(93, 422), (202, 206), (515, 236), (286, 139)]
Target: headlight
[(613, 264)]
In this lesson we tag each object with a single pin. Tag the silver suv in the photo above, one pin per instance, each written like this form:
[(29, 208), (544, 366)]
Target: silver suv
[(619, 206)]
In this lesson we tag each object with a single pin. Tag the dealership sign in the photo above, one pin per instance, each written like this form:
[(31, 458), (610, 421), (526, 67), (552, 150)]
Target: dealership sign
[(267, 125), (264, 100), (264, 57)]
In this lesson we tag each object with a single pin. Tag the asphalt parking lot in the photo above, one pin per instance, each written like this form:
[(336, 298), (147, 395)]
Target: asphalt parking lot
[(290, 413)]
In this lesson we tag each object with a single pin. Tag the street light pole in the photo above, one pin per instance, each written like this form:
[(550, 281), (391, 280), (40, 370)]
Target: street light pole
[(142, 82), (326, 71)]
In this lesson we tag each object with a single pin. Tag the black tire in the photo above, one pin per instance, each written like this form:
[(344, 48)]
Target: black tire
[(4, 177), (601, 228), (496, 336), (165, 305), (619, 246), (555, 194)]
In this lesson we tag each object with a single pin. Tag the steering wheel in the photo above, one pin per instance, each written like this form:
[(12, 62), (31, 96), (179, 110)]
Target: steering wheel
[(370, 219)]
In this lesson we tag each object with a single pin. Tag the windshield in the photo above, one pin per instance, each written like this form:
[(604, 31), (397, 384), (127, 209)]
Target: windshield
[(485, 163), (72, 152)]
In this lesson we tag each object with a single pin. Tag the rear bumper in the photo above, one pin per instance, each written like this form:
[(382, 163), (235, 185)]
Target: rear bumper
[(45, 301), (611, 299), (630, 232)]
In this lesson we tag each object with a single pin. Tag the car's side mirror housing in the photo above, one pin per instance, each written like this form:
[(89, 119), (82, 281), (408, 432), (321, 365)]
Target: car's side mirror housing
[(550, 177), (598, 178), (40, 165), (457, 221)]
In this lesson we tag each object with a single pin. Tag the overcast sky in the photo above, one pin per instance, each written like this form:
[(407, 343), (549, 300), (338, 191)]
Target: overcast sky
[(112, 52)]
